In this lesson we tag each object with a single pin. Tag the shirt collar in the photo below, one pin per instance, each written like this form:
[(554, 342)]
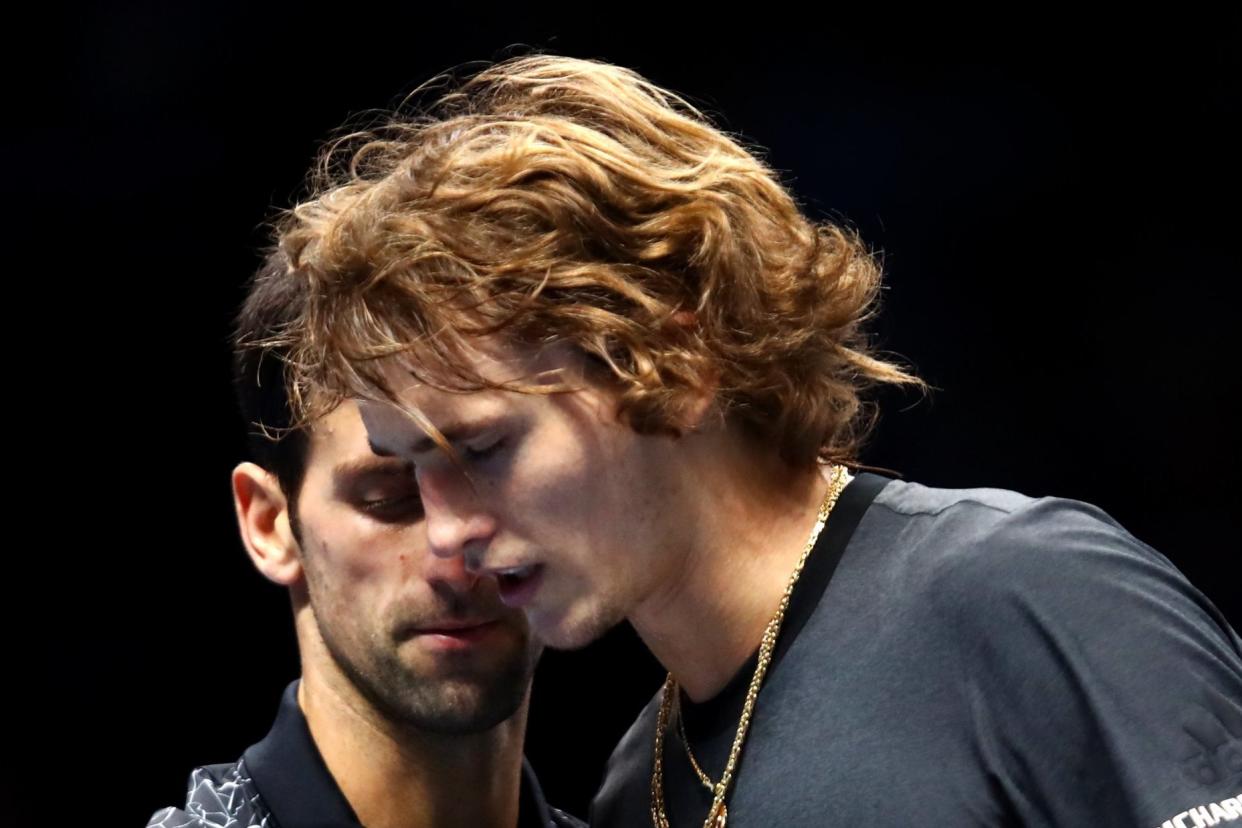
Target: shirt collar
[(298, 789)]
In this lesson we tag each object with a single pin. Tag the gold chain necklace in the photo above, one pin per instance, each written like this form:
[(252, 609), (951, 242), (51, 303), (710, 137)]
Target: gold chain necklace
[(685, 740), (718, 814)]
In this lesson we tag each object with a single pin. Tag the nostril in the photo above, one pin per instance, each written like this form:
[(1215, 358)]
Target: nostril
[(473, 556)]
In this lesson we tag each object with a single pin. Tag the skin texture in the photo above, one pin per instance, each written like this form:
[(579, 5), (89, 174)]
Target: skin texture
[(415, 676), (691, 538)]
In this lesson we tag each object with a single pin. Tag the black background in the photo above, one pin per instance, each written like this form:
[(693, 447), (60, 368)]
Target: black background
[(1054, 195)]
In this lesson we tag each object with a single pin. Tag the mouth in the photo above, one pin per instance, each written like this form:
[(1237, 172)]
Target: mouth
[(456, 635), (518, 584)]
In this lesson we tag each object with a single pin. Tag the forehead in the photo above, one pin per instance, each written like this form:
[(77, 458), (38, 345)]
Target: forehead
[(337, 437), (423, 409)]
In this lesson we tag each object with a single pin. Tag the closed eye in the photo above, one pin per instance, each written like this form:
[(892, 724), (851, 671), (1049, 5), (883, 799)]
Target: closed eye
[(405, 507), (483, 449)]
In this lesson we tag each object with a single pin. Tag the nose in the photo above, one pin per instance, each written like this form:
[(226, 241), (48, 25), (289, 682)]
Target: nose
[(457, 522)]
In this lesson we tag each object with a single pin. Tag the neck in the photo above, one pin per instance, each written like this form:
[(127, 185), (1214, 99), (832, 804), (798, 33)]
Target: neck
[(395, 776), (708, 615)]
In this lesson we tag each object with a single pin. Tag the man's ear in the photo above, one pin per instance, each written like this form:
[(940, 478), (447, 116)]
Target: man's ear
[(697, 409), (264, 520)]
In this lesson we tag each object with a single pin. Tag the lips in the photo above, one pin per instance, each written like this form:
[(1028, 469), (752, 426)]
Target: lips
[(518, 584), (454, 634), (455, 626)]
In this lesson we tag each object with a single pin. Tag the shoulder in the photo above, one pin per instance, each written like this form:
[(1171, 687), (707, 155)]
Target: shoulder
[(1058, 561), (217, 795), (1001, 572), (1086, 661), (994, 544)]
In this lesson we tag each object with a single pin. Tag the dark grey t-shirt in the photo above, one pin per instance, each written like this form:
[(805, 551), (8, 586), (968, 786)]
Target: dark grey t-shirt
[(978, 657)]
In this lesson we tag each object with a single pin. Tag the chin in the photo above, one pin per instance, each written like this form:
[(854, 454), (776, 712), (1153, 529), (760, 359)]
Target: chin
[(573, 628), (461, 716)]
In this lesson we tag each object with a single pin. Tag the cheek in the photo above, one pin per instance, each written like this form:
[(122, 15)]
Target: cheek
[(356, 556), (583, 509), (553, 495), (583, 492)]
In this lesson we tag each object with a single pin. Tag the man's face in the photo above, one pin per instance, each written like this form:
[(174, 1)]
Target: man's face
[(569, 509), (427, 643)]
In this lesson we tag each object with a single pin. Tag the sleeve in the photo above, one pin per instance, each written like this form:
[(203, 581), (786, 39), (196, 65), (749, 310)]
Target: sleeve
[(1103, 688), (174, 818), (218, 796)]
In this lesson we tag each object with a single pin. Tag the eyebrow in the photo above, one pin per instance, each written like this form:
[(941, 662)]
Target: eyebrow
[(371, 466)]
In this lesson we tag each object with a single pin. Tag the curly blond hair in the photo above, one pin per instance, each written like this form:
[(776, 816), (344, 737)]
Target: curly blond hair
[(555, 200)]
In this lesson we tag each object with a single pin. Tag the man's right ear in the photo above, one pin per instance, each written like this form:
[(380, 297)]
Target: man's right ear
[(263, 518)]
